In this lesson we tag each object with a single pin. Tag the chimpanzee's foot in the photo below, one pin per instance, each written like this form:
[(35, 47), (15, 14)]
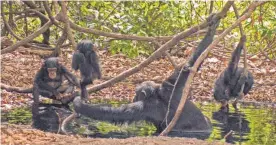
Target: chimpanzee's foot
[(224, 106), (224, 109), (235, 105)]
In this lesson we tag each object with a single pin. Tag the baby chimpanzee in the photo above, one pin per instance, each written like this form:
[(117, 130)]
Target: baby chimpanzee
[(86, 60), (230, 82)]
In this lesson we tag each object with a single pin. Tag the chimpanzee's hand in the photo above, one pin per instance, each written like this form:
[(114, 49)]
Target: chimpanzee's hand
[(57, 95)]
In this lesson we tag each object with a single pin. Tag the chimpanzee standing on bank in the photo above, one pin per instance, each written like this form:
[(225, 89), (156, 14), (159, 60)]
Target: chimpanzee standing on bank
[(54, 81), (86, 60)]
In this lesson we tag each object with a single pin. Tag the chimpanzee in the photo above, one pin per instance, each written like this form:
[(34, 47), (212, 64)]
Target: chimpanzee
[(86, 60), (50, 117), (231, 80), (54, 81), (151, 100)]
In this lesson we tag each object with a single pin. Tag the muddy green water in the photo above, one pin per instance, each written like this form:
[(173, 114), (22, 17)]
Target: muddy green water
[(251, 125)]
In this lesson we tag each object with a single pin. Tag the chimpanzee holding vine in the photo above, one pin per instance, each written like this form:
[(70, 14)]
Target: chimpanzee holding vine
[(86, 60), (232, 80), (54, 81), (151, 100)]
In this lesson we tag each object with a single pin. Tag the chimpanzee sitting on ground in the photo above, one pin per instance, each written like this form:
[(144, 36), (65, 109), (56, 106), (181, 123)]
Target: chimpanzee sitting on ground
[(230, 82), (86, 60), (53, 81), (151, 100)]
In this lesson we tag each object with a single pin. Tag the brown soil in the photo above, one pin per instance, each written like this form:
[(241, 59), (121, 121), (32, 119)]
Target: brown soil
[(25, 135), (19, 67)]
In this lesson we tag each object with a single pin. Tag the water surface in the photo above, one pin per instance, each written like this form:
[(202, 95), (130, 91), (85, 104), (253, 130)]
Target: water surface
[(252, 125)]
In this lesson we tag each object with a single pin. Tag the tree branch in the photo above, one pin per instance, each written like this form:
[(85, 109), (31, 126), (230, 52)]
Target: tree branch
[(245, 73), (67, 25), (186, 89), (167, 54), (175, 39), (121, 36), (16, 89), (48, 10), (27, 39)]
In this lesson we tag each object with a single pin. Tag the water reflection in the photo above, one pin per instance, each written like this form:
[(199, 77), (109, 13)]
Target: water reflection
[(233, 126), (253, 125)]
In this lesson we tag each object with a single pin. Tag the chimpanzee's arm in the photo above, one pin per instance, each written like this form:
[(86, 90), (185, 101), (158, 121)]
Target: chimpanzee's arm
[(78, 58), (233, 64), (70, 77), (179, 85), (238, 86), (207, 40), (125, 113), (95, 64)]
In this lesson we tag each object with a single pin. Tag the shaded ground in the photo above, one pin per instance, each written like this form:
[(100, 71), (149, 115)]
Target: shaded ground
[(19, 68), (25, 135)]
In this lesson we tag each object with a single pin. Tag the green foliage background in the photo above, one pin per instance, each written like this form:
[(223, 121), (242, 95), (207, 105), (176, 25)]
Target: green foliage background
[(156, 18)]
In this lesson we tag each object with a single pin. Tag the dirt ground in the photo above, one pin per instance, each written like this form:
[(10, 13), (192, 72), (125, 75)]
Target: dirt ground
[(19, 67), (14, 135)]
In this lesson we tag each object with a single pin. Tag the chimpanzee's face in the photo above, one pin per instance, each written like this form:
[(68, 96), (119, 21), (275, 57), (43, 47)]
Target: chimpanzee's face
[(51, 65), (52, 72), (140, 95)]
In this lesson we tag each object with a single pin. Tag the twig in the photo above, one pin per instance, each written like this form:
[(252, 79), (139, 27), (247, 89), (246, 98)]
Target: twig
[(266, 56), (199, 61), (27, 39), (229, 133), (8, 25), (48, 10), (66, 121), (167, 54), (175, 39), (67, 25), (211, 7)]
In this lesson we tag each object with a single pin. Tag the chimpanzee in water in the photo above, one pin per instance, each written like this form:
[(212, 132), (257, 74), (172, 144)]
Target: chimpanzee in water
[(86, 60), (230, 82), (50, 117), (151, 100), (54, 81)]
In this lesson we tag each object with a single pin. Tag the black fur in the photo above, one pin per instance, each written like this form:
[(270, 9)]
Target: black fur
[(230, 81), (49, 117), (86, 60), (151, 100), (51, 88)]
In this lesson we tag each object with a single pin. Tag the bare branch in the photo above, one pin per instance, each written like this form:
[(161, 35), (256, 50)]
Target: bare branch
[(211, 7), (48, 10), (186, 89), (8, 25), (266, 56), (167, 54), (245, 73), (16, 89), (122, 36), (67, 25), (27, 39), (175, 39)]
